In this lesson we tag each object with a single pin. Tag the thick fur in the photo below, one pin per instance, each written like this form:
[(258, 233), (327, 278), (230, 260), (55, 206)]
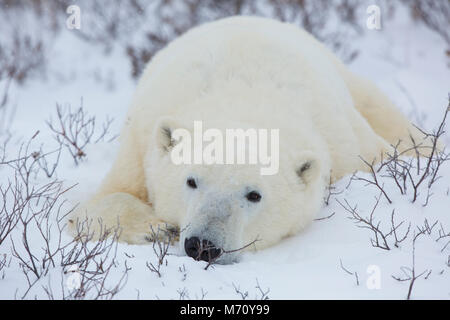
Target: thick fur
[(242, 72)]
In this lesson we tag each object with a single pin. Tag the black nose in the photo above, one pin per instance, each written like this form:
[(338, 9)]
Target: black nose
[(204, 250)]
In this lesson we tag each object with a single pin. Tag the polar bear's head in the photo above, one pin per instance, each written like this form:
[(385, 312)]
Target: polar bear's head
[(222, 208)]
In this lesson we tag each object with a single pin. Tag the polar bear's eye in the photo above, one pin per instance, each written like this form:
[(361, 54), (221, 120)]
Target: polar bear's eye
[(253, 196), (191, 183)]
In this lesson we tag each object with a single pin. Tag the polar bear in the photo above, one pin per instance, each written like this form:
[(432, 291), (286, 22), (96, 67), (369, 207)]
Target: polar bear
[(241, 72)]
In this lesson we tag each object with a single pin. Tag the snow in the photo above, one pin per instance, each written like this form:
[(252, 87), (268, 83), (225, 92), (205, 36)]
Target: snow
[(405, 59)]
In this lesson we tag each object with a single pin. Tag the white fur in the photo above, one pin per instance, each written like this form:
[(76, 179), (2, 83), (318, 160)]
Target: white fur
[(242, 72)]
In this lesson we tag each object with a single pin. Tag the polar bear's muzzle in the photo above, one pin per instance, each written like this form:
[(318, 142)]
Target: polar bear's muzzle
[(211, 229), (201, 249)]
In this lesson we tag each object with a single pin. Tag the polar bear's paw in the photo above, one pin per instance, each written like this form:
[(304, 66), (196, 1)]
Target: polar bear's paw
[(164, 232), (155, 232)]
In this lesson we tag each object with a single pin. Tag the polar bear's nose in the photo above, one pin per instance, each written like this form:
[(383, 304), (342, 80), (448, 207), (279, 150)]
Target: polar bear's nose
[(201, 250)]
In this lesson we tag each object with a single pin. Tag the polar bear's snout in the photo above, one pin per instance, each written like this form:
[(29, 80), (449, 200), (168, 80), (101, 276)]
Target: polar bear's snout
[(212, 227), (201, 249)]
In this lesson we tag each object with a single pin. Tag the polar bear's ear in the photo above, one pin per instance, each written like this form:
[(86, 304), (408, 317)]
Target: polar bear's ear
[(309, 167), (164, 134)]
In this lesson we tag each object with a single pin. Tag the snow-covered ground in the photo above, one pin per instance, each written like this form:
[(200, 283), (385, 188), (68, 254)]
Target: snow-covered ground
[(333, 258)]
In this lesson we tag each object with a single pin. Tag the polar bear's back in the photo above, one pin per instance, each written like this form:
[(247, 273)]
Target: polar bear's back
[(260, 71), (247, 51)]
